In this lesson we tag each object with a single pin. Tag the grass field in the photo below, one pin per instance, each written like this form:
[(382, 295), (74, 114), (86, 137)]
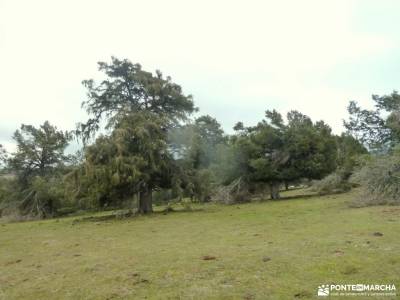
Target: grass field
[(264, 250)]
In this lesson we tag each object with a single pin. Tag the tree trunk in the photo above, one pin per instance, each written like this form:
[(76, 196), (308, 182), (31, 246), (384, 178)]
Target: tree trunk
[(286, 185), (145, 201), (274, 187)]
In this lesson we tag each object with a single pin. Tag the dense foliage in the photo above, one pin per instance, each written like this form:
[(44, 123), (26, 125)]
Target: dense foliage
[(274, 152)]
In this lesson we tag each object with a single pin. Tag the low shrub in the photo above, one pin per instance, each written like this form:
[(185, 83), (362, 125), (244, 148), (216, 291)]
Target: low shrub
[(333, 183), (380, 180)]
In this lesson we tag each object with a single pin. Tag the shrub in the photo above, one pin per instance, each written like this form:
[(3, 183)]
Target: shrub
[(333, 183), (380, 180), (236, 192)]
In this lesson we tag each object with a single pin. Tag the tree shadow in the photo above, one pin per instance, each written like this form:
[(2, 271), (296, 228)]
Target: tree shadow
[(129, 215)]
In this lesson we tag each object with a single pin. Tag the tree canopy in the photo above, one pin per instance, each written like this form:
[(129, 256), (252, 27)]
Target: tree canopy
[(277, 152), (128, 89), (39, 150)]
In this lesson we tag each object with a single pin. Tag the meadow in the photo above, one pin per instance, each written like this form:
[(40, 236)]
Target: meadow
[(281, 249)]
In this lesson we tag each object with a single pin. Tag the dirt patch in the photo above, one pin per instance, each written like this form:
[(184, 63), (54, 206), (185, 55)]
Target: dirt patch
[(303, 294), (392, 211), (377, 234), (266, 259), (338, 252), (349, 270), (13, 262), (208, 257)]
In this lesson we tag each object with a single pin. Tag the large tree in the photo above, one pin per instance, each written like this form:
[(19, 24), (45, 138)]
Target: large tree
[(133, 159), (126, 96), (279, 152)]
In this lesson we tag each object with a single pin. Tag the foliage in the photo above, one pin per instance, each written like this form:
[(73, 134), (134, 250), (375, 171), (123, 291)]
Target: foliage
[(3, 156), (203, 185), (39, 151), (195, 146), (139, 108), (379, 129), (40, 199), (133, 159), (380, 179), (275, 152), (349, 152), (150, 146), (129, 89), (333, 183), (38, 164)]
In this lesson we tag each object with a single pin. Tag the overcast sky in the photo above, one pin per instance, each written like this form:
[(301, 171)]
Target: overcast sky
[(237, 58)]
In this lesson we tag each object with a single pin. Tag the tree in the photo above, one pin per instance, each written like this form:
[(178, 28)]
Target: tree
[(277, 152), (195, 147), (207, 135), (127, 92), (129, 89), (133, 159), (311, 147), (39, 156), (39, 151), (378, 129)]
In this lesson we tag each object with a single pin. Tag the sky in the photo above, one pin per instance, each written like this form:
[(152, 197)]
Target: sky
[(237, 58)]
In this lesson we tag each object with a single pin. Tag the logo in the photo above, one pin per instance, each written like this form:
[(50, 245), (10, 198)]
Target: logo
[(323, 290)]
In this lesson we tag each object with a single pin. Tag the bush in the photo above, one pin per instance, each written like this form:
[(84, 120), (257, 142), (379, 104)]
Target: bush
[(39, 199), (380, 180), (236, 192), (333, 183)]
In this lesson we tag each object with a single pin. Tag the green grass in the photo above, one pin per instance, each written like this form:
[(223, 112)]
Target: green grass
[(308, 241)]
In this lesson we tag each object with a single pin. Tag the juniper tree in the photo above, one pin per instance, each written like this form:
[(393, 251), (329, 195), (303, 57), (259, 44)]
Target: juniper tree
[(276, 152), (133, 159), (127, 92)]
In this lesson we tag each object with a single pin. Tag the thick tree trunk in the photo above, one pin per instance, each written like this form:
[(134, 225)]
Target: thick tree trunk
[(145, 201), (274, 187)]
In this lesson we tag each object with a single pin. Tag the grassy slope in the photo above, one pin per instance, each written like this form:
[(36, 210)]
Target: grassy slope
[(310, 242)]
